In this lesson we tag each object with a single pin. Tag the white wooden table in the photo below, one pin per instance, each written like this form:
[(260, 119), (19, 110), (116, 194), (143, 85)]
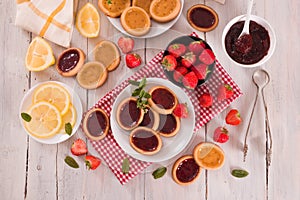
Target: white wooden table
[(30, 170)]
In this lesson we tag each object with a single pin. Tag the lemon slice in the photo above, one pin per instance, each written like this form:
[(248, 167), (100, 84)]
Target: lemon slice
[(39, 55), (88, 21), (55, 94), (46, 120), (70, 116)]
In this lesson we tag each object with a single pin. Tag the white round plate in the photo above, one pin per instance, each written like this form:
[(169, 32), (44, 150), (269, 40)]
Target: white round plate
[(155, 30), (171, 146), (60, 137)]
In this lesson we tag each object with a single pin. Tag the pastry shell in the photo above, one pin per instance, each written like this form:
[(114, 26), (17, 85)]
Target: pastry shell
[(85, 121)]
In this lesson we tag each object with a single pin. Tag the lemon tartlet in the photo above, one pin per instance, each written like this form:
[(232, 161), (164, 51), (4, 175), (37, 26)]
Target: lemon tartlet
[(135, 21), (165, 10)]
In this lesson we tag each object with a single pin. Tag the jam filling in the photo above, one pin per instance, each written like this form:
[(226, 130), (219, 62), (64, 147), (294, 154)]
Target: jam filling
[(145, 140), (260, 43), (210, 157), (202, 17), (167, 123), (130, 114), (68, 60), (187, 170), (96, 123), (163, 98), (148, 120)]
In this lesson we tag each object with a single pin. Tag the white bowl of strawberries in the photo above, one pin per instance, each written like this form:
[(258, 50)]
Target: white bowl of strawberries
[(188, 61)]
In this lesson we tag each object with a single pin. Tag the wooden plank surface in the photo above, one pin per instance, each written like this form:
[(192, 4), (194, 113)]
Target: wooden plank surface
[(30, 170)]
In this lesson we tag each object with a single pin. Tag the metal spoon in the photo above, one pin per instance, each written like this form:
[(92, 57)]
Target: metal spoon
[(261, 79), (244, 42)]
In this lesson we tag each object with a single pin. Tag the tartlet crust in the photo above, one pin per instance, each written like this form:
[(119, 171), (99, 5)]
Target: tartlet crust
[(117, 58), (198, 161), (119, 112), (163, 19), (175, 166), (114, 9), (136, 31), (202, 28), (85, 120), (158, 148), (158, 108), (78, 66), (177, 119)]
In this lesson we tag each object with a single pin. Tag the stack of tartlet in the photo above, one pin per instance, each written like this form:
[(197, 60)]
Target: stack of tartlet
[(148, 125), (135, 16)]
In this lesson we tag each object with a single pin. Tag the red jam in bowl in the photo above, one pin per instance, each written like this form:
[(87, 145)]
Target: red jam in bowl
[(259, 48)]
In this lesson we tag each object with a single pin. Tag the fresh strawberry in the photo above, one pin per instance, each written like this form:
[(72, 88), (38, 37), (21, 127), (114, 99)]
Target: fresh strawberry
[(225, 91), (126, 44), (207, 57), (133, 60), (176, 50), (79, 147), (206, 100), (201, 70), (190, 80), (169, 62), (92, 162), (178, 74), (221, 135), (188, 59), (233, 117), (197, 47), (181, 110)]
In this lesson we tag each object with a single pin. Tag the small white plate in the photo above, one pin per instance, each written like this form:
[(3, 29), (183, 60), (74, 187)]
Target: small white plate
[(60, 137), (171, 146), (155, 30)]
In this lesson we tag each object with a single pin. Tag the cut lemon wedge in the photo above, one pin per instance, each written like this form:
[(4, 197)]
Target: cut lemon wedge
[(70, 116), (39, 55), (88, 21), (55, 94), (46, 120)]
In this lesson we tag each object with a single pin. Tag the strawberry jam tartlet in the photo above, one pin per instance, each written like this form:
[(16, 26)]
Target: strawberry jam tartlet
[(145, 141), (129, 116), (185, 170), (95, 124), (162, 100)]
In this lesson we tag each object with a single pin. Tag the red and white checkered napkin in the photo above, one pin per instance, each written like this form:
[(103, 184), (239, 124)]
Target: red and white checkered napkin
[(112, 153)]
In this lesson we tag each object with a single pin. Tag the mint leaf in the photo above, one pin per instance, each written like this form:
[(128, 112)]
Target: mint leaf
[(142, 83), (239, 173), (139, 92), (71, 162), (125, 166), (159, 172), (132, 82), (26, 117), (136, 92), (68, 128), (147, 95)]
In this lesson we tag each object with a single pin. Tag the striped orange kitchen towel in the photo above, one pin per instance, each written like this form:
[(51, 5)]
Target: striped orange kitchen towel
[(51, 19)]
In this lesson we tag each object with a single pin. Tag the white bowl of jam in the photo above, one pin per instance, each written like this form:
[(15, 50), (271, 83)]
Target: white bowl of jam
[(263, 41)]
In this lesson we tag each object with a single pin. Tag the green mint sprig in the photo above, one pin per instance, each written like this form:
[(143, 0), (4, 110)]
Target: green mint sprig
[(140, 93), (68, 128), (71, 162), (26, 117), (159, 172), (125, 166)]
